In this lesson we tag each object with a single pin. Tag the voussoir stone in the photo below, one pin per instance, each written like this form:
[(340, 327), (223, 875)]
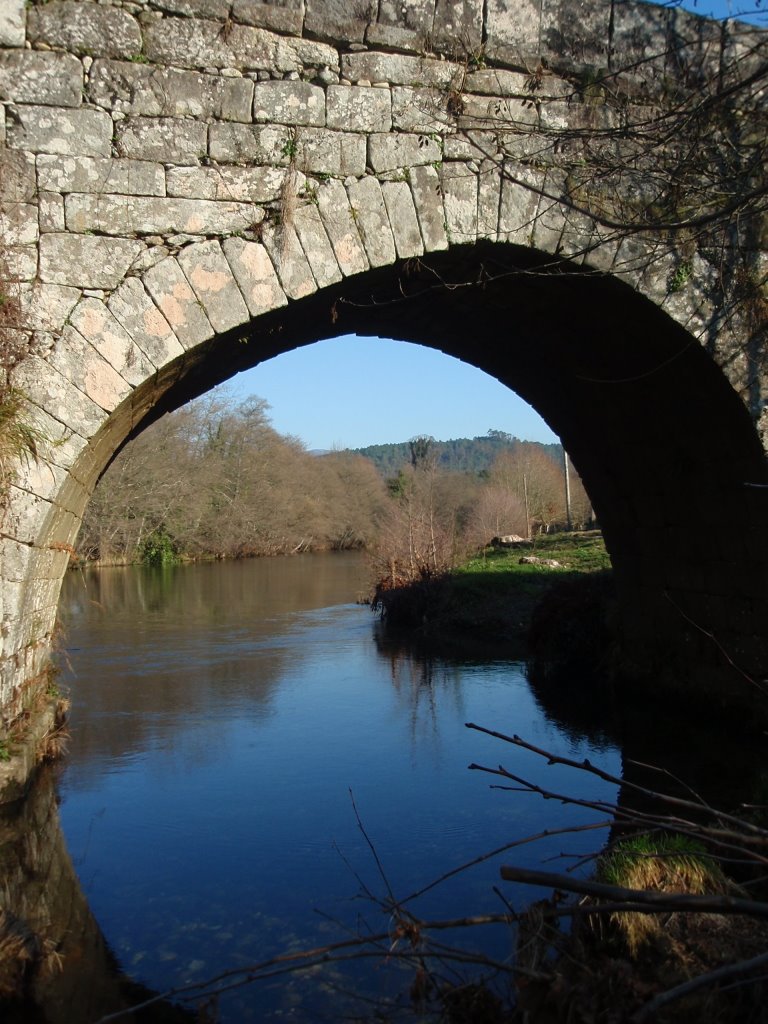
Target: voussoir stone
[(174, 297), (134, 309), (84, 28), (208, 272), (51, 79), (370, 213), (255, 275), (93, 320)]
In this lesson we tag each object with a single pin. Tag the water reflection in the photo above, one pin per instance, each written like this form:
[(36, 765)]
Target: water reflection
[(221, 715), (55, 965)]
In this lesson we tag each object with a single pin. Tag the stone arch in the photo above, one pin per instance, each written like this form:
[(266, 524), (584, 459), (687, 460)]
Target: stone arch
[(665, 447), (180, 175)]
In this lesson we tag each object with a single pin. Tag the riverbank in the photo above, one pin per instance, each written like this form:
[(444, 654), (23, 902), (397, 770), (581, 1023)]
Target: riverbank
[(493, 597)]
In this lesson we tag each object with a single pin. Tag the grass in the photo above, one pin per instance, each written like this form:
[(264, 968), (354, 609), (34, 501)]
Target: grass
[(493, 596), (664, 862)]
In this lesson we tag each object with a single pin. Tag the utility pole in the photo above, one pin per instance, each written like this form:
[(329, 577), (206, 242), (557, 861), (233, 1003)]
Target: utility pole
[(566, 469)]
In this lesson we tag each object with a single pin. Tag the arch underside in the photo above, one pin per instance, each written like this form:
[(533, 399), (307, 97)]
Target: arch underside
[(666, 449)]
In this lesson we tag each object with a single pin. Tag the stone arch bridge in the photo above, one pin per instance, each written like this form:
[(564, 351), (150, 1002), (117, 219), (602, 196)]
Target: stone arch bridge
[(192, 186)]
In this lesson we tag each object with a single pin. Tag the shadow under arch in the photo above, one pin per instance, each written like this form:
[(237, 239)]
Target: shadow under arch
[(663, 443)]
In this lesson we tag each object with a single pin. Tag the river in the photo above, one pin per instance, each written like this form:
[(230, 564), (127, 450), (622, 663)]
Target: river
[(224, 718)]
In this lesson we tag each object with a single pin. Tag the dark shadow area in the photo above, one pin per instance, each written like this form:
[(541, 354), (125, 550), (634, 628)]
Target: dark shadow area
[(55, 965)]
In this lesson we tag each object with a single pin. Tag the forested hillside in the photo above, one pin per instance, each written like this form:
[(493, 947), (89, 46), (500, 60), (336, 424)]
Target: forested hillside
[(460, 455), (215, 479)]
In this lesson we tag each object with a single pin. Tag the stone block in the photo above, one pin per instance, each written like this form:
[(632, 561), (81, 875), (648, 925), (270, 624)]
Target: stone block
[(403, 220), (86, 261), (421, 110), (459, 184), (45, 307), (63, 130), (576, 31), (20, 262), (317, 248), (286, 16), (167, 139), (233, 184), (488, 199), (12, 22), (428, 200), (133, 308), (497, 82), (255, 275), (17, 172), (174, 297), (142, 90), (336, 213), (513, 32), (219, 9), (48, 79), (195, 43), (458, 28), (519, 205), (94, 322), (18, 225), (127, 215), (338, 20), (493, 113), (90, 29), (390, 151), (370, 213), (80, 363), (639, 31), (95, 175), (287, 102), (51, 212), (399, 69), (293, 269), (355, 108), (320, 151), (413, 18), (206, 268), (249, 144)]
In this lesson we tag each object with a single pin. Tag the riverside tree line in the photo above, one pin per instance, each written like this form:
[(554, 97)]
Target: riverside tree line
[(215, 479)]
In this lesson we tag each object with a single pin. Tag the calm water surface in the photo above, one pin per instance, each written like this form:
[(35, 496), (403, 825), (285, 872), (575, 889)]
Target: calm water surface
[(222, 716)]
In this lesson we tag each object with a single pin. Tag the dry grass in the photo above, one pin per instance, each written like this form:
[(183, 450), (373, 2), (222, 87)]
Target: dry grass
[(662, 862)]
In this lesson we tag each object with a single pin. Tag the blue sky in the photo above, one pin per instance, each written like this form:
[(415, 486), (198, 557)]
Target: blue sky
[(352, 392)]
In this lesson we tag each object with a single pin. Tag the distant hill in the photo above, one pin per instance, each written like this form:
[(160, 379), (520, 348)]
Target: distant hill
[(462, 455)]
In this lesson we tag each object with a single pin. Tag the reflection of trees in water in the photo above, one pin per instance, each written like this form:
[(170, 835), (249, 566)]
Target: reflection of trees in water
[(419, 678), (147, 643), (55, 965)]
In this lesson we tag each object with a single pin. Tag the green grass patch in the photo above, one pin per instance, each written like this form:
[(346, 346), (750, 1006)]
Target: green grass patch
[(493, 595)]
